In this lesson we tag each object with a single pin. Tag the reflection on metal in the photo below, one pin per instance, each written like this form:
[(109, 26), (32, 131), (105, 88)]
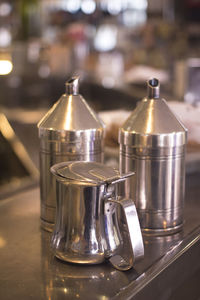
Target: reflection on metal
[(46, 277), (87, 206), (70, 131), (73, 281), (152, 144), (16, 166), (162, 244)]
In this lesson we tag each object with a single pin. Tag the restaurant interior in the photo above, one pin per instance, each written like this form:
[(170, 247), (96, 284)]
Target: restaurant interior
[(114, 47)]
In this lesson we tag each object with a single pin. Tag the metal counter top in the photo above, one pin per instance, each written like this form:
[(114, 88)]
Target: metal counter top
[(28, 270)]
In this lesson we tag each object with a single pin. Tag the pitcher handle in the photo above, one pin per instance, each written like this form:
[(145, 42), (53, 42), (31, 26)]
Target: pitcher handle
[(134, 234)]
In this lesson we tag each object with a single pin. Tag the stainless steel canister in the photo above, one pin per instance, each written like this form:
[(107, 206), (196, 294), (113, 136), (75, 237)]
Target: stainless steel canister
[(69, 131), (152, 144), (88, 229)]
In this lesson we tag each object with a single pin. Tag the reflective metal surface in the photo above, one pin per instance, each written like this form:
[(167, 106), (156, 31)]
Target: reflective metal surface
[(170, 269), (87, 229), (152, 144), (72, 281), (69, 131)]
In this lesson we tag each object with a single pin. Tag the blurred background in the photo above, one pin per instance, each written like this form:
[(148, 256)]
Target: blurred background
[(111, 43), (115, 45)]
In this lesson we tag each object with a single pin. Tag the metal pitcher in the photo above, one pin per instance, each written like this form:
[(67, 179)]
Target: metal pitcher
[(70, 131), (152, 144), (88, 229)]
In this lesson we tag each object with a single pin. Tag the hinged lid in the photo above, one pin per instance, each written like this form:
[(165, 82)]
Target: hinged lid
[(152, 123), (86, 172), (70, 115)]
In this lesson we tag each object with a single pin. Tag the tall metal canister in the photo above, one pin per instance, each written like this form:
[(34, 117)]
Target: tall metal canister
[(152, 143), (69, 131)]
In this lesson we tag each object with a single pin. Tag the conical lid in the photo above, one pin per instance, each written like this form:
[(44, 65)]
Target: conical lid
[(152, 123), (71, 117)]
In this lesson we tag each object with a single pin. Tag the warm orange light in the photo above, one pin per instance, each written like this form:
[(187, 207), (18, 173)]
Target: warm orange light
[(2, 242), (6, 66), (164, 224)]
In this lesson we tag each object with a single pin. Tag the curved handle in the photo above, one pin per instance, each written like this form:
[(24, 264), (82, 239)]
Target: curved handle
[(135, 236)]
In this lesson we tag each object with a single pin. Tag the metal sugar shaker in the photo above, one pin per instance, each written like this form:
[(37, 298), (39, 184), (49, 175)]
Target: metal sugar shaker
[(70, 131), (152, 144), (88, 229)]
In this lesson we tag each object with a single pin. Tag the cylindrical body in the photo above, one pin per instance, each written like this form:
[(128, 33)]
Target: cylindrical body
[(158, 186), (152, 144), (70, 131), (53, 152)]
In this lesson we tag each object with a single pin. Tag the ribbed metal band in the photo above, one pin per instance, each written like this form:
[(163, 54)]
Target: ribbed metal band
[(151, 153), (65, 148), (71, 136), (162, 232), (161, 140), (161, 221)]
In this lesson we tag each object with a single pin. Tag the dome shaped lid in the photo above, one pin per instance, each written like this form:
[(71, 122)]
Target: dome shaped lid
[(71, 116), (152, 123)]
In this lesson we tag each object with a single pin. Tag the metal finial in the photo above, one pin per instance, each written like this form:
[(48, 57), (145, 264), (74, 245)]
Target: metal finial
[(72, 86), (153, 88)]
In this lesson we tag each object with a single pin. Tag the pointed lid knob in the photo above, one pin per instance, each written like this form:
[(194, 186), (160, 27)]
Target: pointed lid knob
[(71, 118), (152, 123), (153, 88), (72, 86)]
